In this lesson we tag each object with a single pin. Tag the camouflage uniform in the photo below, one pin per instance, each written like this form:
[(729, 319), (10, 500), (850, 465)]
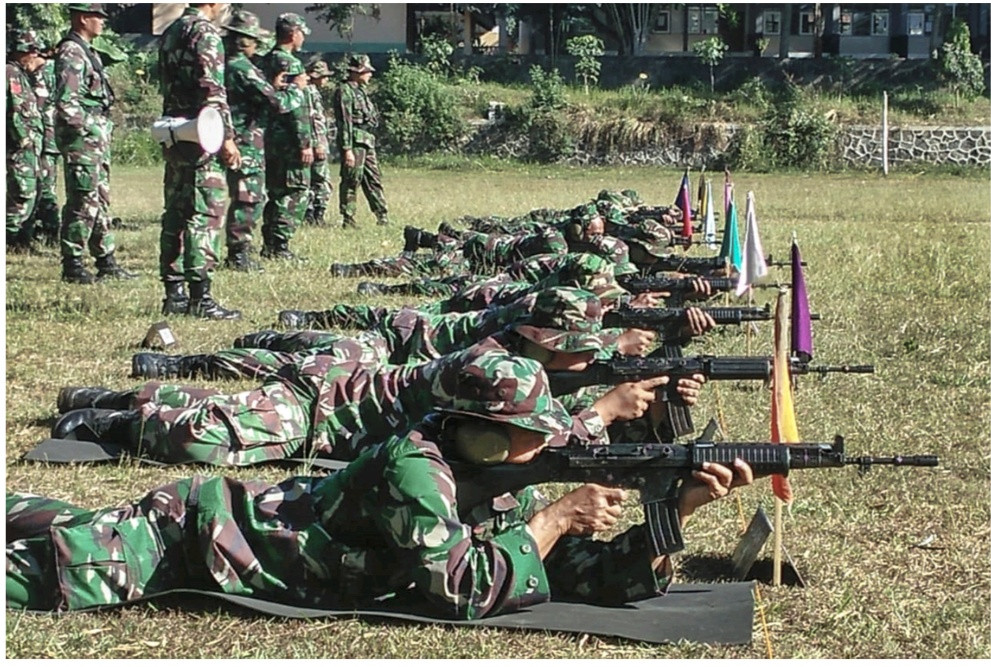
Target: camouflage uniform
[(191, 57), (320, 186), (387, 522), (287, 179), (252, 101), (46, 213), (25, 133), (83, 98), (357, 118)]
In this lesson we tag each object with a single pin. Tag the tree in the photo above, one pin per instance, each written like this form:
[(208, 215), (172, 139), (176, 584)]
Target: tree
[(340, 16), (586, 48), (710, 51), (629, 23), (50, 20), (958, 68)]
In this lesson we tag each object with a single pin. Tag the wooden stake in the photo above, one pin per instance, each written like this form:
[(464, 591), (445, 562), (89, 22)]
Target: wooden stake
[(778, 537)]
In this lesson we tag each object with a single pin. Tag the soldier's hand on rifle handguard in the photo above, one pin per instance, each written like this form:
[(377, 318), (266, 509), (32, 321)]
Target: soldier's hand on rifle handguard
[(636, 342)]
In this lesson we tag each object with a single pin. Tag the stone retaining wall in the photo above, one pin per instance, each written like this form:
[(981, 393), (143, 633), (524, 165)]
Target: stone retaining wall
[(857, 146)]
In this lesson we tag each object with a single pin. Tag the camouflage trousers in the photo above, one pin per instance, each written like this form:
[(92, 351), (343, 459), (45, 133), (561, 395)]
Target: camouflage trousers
[(195, 196), (288, 184), (321, 190), (268, 542), (46, 214), (22, 193), (364, 174), (411, 264), (246, 208), (86, 214)]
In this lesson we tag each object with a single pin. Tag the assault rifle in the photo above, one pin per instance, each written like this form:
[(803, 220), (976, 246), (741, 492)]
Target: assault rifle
[(664, 319), (656, 470), (623, 368), (681, 286), (699, 264)]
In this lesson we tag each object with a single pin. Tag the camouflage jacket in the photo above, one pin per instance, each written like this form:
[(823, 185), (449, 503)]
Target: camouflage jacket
[(355, 116), (44, 90), (25, 128), (318, 117), (293, 129), (191, 61), (83, 98), (253, 100)]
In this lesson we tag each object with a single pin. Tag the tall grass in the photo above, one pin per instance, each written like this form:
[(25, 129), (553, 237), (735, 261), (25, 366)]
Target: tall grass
[(898, 269)]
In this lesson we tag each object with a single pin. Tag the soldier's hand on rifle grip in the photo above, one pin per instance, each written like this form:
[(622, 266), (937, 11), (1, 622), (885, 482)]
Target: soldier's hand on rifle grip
[(306, 156), (648, 299), (697, 322), (230, 155), (714, 481), (636, 342), (348, 158), (319, 153), (628, 400), (582, 512)]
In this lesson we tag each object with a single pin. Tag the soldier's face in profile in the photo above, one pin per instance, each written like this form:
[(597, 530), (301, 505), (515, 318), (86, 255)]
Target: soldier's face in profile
[(297, 39), (524, 445), (93, 24)]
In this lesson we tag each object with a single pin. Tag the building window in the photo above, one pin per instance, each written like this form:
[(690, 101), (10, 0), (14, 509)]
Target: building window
[(916, 20), (807, 23), (662, 23), (703, 20), (879, 22), (855, 22), (772, 23)]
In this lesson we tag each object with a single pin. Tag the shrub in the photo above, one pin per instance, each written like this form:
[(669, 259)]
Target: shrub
[(710, 52), (543, 118), (586, 48), (419, 112), (958, 68)]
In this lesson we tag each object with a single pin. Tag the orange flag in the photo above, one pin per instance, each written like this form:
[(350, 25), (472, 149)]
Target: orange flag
[(783, 425)]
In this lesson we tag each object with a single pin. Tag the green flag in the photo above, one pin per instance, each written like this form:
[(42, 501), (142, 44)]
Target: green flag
[(731, 239)]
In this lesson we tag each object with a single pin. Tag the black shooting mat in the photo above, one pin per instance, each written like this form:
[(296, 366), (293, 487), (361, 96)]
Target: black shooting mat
[(703, 613), (706, 613)]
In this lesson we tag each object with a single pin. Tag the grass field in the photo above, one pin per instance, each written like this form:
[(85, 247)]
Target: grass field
[(898, 269)]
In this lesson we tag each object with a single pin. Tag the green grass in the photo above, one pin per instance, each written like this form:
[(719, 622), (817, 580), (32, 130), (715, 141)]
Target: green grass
[(898, 268)]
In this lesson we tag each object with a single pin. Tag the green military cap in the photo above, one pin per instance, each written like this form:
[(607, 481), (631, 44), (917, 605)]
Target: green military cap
[(248, 24), (318, 69), (88, 8), (291, 20), (564, 318), (359, 63), (512, 390), (23, 41)]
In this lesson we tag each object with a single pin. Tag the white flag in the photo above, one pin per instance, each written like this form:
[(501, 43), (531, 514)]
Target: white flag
[(754, 265), (710, 218)]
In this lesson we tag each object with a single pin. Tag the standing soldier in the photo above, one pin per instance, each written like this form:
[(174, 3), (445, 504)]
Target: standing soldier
[(320, 187), (46, 213), (356, 117), (252, 101), (289, 144), (83, 98), (24, 137), (191, 58)]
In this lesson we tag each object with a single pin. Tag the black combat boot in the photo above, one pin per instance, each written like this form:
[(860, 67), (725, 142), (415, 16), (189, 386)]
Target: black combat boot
[(176, 301), (382, 219), (319, 216), (349, 223), (202, 304), (296, 319), (278, 250), (150, 366), (411, 239), (73, 271), (446, 229), (348, 270), (107, 267), (96, 425), (260, 340), (372, 289), (239, 258), (76, 398)]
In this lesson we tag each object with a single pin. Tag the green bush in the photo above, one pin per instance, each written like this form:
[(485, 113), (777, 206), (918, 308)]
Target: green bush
[(958, 68), (543, 118), (134, 146), (586, 49), (420, 113)]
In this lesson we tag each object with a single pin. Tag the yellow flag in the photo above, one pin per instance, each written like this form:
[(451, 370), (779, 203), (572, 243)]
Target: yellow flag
[(784, 429)]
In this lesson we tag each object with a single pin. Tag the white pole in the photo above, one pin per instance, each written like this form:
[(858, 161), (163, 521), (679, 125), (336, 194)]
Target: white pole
[(884, 133)]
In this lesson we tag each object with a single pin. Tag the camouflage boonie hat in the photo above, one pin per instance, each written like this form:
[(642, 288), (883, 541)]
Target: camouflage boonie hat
[(359, 63), (511, 390), (611, 213), (88, 8), (23, 41), (586, 271), (652, 236), (318, 69), (566, 319), (622, 199), (618, 252), (584, 213), (291, 20), (248, 24)]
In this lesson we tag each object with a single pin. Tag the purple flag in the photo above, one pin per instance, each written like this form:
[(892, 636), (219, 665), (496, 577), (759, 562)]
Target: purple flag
[(801, 321)]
